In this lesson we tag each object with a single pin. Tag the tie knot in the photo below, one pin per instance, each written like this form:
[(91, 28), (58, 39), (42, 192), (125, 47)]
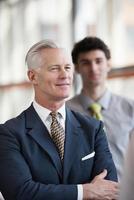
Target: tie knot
[(95, 107), (54, 114)]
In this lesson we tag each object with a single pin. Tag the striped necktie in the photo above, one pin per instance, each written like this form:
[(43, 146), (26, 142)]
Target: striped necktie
[(57, 133), (95, 109)]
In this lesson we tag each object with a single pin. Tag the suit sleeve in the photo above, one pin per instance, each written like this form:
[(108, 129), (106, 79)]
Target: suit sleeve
[(16, 181), (103, 156)]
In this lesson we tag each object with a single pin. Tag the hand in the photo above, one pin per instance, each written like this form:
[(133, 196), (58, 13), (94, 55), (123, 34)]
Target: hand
[(101, 189)]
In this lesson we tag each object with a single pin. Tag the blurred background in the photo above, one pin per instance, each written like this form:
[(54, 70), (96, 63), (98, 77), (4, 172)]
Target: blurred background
[(25, 22)]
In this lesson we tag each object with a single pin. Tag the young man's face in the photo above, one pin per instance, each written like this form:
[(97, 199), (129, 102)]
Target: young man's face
[(93, 67), (53, 80)]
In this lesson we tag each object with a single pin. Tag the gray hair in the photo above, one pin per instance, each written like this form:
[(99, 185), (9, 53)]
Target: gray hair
[(33, 58)]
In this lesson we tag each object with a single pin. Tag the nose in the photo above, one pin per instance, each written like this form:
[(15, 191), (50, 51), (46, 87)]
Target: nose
[(63, 73), (93, 67)]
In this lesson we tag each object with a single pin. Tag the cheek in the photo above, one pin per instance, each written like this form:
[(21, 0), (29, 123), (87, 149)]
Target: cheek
[(86, 73), (104, 70), (71, 77), (42, 80)]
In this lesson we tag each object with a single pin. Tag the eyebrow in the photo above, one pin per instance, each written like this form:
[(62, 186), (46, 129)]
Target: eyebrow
[(82, 60), (58, 65), (87, 60)]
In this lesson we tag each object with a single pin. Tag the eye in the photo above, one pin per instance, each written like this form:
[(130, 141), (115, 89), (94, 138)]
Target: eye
[(54, 68), (68, 67), (84, 63), (99, 61)]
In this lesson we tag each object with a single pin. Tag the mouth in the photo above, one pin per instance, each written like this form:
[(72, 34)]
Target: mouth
[(94, 77), (63, 84)]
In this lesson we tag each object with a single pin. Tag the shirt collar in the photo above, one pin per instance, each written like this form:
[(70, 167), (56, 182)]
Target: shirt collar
[(44, 112), (104, 101)]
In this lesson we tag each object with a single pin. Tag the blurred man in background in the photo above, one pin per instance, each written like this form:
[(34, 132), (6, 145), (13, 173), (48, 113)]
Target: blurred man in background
[(49, 152), (91, 57)]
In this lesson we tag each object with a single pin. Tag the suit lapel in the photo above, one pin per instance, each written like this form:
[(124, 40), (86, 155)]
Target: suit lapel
[(71, 142), (39, 133)]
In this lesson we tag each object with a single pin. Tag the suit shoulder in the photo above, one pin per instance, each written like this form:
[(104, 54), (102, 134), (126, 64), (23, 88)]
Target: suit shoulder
[(89, 125), (15, 123), (123, 103), (123, 99), (85, 119)]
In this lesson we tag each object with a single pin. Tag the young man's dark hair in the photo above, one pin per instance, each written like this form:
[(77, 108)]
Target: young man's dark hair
[(89, 44)]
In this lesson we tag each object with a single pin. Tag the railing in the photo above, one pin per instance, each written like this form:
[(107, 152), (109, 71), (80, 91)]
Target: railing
[(122, 72)]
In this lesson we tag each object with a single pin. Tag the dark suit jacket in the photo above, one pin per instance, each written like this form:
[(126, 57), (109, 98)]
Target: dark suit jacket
[(30, 167)]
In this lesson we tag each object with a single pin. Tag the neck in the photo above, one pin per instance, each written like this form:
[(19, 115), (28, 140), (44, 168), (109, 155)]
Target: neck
[(50, 105), (94, 92)]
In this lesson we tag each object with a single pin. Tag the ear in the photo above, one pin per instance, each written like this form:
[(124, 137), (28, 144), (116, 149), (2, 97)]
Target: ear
[(32, 75), (109, 65)]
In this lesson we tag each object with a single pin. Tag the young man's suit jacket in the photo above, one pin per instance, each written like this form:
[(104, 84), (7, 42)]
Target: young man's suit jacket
[(30, 167)]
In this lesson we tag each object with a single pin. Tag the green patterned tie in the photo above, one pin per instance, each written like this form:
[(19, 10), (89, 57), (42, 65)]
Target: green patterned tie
[(95, 109), (57, 133)]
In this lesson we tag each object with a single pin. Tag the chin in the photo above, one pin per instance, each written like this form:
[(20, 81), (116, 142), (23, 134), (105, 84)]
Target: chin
[(95, 83), (64, 96)]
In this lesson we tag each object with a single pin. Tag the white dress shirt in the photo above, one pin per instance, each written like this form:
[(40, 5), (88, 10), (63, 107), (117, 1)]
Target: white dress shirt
[(44, 114)]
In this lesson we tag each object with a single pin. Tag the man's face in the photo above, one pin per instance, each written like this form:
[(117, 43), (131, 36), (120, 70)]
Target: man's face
[(93, 67), (52, 81)]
